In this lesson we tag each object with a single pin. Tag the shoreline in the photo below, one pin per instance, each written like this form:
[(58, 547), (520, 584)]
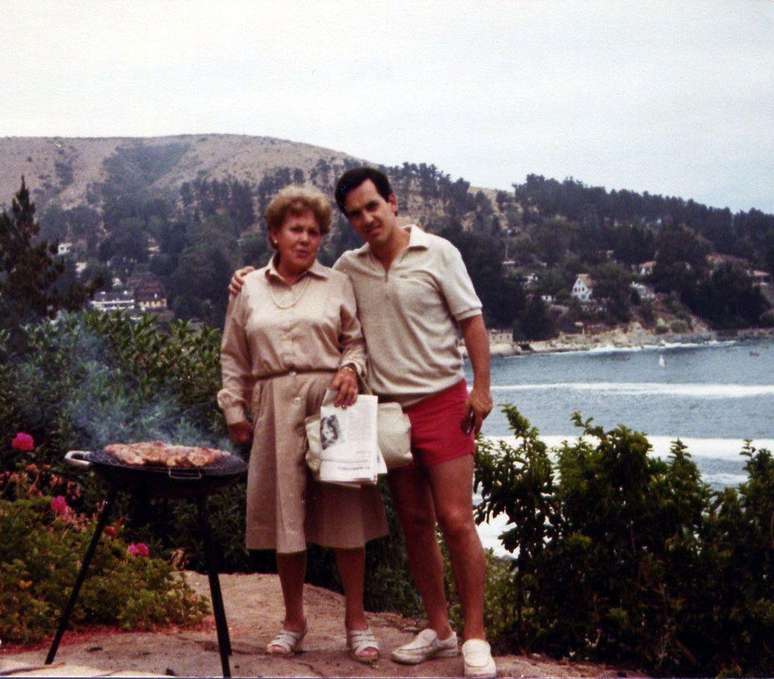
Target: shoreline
[(634, 337)]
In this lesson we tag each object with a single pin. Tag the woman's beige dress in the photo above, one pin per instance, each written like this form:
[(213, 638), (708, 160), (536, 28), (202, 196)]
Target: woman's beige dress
[(281, 348)]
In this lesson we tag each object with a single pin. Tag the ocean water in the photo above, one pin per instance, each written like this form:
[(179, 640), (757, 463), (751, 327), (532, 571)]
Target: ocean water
[(712, 396)]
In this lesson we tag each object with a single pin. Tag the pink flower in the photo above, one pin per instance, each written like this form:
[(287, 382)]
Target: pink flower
[(138, 549), (59, 505), (23, 441)]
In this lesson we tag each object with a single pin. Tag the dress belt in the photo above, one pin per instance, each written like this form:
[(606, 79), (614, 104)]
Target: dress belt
[(284, 373)]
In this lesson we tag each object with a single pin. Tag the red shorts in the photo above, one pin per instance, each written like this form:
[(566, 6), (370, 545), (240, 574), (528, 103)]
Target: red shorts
[(437, 427)]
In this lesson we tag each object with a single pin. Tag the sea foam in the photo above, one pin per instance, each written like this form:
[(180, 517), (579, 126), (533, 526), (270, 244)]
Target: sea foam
[(714, 448)]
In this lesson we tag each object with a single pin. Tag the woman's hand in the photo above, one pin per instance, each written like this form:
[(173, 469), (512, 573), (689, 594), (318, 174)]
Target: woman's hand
[(238, 280), (240, 433), (345, 384)]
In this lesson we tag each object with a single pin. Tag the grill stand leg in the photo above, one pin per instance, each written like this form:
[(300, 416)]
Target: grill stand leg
[(102, 521), (224, 642)]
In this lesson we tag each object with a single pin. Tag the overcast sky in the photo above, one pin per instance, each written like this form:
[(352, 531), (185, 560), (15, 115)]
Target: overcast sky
[(673, 97)]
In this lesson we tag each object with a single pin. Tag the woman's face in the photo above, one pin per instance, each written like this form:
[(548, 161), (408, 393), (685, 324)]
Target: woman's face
[(297, 242)]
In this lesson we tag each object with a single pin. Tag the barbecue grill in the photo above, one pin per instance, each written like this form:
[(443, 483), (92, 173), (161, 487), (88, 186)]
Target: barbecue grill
[(175, 482)]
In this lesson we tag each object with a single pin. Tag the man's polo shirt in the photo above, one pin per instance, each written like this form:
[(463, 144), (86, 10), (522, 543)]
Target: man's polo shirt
[(410, 315)]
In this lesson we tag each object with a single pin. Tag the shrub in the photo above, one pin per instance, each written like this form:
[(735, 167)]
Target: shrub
[(647, 314), (627, 558), (93, 378), (679, 327), (39, 557)]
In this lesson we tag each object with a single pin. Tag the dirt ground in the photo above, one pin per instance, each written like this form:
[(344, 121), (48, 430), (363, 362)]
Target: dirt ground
[(254, 610)]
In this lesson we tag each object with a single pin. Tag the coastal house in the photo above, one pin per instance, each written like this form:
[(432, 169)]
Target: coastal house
[(149, 296), (760, 278), (63, 249), (153, 247), (530, 280), (717, 259), (509, 266), (500, 336), (583, 289), (645, 269), (645, 292), (121, 300)]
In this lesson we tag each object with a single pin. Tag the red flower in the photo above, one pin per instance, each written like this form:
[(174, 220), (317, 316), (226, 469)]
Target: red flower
[(59, 505), (23, 441), (111, 531), (138, 549)]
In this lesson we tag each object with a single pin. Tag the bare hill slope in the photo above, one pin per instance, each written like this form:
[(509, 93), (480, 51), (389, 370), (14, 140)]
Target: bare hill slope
[(63, 168)]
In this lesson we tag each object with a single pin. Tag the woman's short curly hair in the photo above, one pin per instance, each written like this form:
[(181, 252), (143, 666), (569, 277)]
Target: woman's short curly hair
[(294, 200)]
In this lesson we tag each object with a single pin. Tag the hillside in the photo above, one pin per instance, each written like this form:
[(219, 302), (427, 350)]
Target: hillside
[(61, 169), (186, 210)]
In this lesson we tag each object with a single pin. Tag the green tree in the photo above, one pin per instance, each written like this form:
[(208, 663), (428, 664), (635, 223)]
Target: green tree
[(612, 283), (127, 241), (204, 268), (29, 270), (680, 261), (552, 239), (535, 323), (729, 299), (634, 244)]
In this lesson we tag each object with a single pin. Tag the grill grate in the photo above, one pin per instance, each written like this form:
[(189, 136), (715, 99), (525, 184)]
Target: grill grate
[(227, 466)]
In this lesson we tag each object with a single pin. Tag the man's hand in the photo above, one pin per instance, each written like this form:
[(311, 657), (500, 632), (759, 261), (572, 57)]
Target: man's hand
[(345, 385), (238, 280), (479, 405), (240, 433)]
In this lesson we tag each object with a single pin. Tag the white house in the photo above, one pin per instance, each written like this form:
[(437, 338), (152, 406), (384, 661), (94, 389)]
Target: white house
[(530, 281), (500, 336), (64, 248), (646, 268), (583, 290), (645, 292), (122, 300)]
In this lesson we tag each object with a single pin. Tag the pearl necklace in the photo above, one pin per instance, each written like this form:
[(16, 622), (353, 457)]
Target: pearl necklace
[(294, 299)]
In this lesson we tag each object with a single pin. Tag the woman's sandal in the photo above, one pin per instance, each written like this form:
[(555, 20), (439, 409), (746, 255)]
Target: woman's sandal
[(286, 642), (360, 640)]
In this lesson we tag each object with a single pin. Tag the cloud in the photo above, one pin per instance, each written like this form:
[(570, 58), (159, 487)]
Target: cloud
[(659, 96)]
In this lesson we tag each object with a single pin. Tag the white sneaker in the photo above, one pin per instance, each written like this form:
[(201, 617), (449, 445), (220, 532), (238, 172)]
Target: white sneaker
[(424, 646), (479, 663)]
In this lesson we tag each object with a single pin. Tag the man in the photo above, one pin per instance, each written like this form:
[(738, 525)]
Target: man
[(413, 295)]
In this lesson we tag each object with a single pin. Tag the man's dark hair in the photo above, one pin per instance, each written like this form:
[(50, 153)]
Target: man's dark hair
[(351, 179)]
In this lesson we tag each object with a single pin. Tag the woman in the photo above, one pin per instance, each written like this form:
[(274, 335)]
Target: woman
[(291, 334)]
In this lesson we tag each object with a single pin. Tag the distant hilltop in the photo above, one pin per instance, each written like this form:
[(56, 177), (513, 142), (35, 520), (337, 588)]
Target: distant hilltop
[(62, 169)]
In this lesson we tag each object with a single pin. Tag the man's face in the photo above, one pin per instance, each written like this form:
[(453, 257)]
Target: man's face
[(373, 217)]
